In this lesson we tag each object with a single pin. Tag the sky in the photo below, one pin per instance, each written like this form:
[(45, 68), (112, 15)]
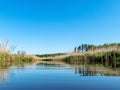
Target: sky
[(57, 26)]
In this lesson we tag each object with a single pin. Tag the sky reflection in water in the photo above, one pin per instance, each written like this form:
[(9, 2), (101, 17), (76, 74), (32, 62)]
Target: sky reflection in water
[(59, 76)]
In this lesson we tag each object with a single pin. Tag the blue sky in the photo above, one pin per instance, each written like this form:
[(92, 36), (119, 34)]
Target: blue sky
[(51, 26)]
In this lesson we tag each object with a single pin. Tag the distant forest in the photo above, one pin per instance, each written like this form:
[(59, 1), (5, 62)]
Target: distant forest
[(51, 55)]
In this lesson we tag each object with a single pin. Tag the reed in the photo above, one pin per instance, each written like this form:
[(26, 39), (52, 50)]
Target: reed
[(4, 48), (4, 51), (6, 56), (107, 57)]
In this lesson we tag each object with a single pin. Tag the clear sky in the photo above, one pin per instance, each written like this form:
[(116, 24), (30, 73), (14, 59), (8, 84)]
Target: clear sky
[(50, 26)]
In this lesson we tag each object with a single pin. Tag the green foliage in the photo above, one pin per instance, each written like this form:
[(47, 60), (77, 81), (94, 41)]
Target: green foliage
[(88, 47)]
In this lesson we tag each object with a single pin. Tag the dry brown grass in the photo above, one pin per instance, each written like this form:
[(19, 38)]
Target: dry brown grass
[(103, 50), (4, 48), (90, 52)]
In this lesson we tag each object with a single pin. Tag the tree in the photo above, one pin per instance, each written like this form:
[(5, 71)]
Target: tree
[(18, 52), (75, 49), (82, 47), (79, 48), (86, 48)]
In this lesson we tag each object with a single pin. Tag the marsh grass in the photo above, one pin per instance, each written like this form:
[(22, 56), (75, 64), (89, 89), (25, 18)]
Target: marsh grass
[(4, 51), (4, 47), (7, 57), (109, 56)]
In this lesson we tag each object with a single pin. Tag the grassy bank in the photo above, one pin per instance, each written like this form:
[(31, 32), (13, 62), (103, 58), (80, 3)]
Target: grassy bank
[(7, 57), (107, 54)]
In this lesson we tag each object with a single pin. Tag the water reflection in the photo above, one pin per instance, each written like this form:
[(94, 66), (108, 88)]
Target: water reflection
[(96, 71), (84, 69), (4, 71), (93, 68), (40, 70), (3, 77)]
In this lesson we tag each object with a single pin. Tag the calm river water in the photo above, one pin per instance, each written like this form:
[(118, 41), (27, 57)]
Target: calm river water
[(48, 75)]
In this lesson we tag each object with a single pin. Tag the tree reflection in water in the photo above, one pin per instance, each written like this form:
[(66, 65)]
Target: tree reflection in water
[(93, 68), (83, 68)]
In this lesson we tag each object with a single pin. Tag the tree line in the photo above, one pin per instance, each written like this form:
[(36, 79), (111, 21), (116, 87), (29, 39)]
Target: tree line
[(87, 47)]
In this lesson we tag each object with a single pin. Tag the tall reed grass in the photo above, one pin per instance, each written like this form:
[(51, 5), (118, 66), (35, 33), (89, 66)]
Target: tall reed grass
[(4, 51), (6, 55), (4, 48)]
